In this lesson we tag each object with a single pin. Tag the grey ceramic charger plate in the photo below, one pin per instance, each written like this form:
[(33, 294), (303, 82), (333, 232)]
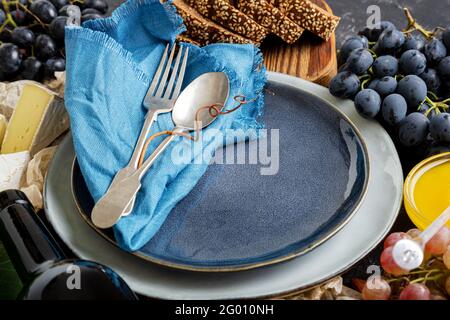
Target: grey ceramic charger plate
[(236, 218), (369, 225)]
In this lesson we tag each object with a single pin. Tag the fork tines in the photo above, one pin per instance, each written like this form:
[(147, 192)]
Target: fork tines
[(160, 87)]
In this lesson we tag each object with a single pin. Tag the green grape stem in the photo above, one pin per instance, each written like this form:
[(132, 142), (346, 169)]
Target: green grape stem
[(363, 84), (364, 80), (427, 278), (9, 19), (423, 275), (374, 54), (414, 26), (435, 105)]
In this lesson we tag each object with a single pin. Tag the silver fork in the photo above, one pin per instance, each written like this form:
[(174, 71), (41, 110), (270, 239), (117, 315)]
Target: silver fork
[(160, 98)]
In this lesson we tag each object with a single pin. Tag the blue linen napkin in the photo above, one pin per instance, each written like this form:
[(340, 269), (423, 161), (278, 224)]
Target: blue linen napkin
[(110, 64)]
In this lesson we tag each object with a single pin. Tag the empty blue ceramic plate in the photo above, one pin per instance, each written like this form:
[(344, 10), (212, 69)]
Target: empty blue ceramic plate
[(236, 218)]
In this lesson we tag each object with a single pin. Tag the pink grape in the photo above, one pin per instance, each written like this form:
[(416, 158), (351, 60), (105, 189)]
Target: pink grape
[(415, 291), (414, 233), (393, 238), (446, 258), (438, 244), (388, 263), (376, 290)]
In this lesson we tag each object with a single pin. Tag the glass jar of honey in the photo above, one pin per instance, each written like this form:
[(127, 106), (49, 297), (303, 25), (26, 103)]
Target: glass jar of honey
[(427, 190)]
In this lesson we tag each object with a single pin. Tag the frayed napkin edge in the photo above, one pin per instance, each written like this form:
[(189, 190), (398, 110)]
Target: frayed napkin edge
[(130, 7), (77, 33)]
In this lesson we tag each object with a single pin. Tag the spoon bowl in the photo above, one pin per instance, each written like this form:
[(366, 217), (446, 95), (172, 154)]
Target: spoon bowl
[(206, 90)]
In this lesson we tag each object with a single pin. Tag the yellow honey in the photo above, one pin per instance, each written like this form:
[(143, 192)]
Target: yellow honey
[(427, 190)]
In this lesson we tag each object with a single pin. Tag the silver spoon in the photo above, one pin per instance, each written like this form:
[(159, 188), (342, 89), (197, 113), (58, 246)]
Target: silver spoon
[(208, 89)]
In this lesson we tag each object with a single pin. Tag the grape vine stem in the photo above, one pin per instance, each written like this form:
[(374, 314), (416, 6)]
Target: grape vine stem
[(9, 18), (413, 25)]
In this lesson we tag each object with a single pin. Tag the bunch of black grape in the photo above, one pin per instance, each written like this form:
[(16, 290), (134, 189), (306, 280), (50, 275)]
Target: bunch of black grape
[(401, 78), (32, 35)]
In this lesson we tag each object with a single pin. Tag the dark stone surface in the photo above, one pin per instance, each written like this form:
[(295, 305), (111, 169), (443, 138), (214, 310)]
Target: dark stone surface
[(429, 13)]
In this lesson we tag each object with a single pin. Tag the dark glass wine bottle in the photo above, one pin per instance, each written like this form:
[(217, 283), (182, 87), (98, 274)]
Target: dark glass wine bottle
[(42, 265)]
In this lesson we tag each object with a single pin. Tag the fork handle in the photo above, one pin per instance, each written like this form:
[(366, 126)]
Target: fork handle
[(108, 210), (120, 196), (150, 118), (129, 169), (142, 170)]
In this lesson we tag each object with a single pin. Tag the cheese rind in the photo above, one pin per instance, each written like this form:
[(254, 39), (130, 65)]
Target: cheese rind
[(3, 125), (12, 169), (38, 119)]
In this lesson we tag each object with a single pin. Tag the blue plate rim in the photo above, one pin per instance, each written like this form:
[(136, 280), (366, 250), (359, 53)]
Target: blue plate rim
[(251, 265)]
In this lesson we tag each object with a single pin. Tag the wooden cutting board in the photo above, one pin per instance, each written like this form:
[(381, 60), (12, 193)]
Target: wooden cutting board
[(309, 58)]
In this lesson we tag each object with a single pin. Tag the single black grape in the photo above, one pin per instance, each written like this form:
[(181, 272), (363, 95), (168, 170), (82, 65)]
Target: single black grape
[(385, 66), (444, 68), (359, 61), (55, 64), (99, 5), (352, 43), (44, 10), (414, 42), (5, 34), (344, 85), (23, 37), (19, 17), (57, 28), (386, 86), (373, 84), (390, 40), (368, 103), (394, 109), (59, 3), (413, 89), (45, 47), (374, 33), (10, 59), (90, 16), (412, 62), (432, 80), (435, 51), (440, 127), (31, 69), (414, 129), (2, 16), (446, 38)]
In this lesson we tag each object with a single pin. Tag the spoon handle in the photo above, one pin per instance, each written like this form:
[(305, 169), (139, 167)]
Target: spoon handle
[(434, 227)]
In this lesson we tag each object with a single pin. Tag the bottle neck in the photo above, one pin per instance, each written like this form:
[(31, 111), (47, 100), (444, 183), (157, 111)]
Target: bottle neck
[(28, 242)]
